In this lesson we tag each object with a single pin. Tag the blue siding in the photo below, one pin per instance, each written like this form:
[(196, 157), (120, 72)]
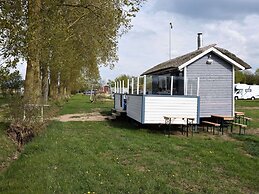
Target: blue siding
[(216, 85)]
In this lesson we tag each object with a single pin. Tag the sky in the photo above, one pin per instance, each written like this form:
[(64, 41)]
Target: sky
[(231, 24)]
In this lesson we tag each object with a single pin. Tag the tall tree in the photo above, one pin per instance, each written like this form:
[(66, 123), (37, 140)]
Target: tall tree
[(61, 40), (32, 84)]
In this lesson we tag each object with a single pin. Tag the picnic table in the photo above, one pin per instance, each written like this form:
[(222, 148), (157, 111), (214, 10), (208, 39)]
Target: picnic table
[(187, 121), (241, 121), (224, 121)]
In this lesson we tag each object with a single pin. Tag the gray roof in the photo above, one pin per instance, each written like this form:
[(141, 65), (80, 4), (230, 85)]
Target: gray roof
[(178, 61)]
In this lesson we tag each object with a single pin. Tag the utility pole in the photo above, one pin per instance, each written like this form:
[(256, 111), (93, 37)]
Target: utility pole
[(170, 40)]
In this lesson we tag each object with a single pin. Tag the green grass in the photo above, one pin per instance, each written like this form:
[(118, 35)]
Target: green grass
[(117, 157), (81, 104), (251, 109), (105, 157), (252, 113), (247, 103), (7, 147)]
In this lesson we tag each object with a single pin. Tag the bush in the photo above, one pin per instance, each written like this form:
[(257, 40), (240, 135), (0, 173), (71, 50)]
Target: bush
[(26, 120)]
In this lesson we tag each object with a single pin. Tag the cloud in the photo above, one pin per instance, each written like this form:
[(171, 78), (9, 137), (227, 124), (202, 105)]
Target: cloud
[(239, 37), (208, 9), (147, 44)]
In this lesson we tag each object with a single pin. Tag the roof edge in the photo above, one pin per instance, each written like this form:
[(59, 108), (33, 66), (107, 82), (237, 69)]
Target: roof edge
[(216, 51)]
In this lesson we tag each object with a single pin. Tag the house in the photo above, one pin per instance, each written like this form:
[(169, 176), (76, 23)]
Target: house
[(197, 84)]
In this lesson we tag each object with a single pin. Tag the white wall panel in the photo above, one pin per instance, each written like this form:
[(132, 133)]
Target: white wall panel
[(156, 107), (134, 107), (117, 102)]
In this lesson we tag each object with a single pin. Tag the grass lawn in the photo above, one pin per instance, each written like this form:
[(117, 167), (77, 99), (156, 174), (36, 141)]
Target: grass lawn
[(247, 103), (117, 157), (7, 147), (81, 104), (251, 109)]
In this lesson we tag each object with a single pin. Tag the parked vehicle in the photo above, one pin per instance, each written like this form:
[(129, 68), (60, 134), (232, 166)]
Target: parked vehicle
[(244, 91), (88, 92)]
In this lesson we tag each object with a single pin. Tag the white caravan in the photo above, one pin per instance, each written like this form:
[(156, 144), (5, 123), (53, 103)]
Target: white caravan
[(244, 91)]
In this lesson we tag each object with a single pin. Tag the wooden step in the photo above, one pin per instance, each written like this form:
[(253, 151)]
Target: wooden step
[(116, 114), (111, 118)]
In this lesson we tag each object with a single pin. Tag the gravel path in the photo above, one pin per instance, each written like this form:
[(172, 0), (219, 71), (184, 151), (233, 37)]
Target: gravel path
[(94, 116)]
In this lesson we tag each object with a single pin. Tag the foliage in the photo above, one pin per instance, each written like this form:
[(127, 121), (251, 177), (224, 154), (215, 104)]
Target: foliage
[(247, 77), (11, 82), (13, 28), (124, 78), (240, 77), (64, 41), (111, 83)]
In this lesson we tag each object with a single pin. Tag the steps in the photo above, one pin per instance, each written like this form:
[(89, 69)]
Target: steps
[(116, 114)]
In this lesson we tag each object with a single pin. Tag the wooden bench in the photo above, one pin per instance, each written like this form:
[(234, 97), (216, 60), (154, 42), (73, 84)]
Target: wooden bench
[(247, 119), (211, 124), (186, 122), (241, 126)]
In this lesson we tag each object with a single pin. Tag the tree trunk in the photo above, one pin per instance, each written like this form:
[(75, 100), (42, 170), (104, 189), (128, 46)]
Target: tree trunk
[(68, 91), (32, 85), (54, 85), (62, 91), (45, 82)]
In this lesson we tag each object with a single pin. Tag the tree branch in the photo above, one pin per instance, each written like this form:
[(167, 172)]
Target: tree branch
[(77, 20), (80, 6), (83, 6)]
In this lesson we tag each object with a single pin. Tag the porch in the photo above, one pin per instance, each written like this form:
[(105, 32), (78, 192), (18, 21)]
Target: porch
[(147, 99)]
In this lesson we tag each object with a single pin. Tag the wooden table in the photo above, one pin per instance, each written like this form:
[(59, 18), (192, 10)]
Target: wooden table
[(239, 113), (223, 120), (187, 121)]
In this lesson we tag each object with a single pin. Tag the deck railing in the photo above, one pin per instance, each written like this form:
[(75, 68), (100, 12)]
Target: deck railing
[(158, 85)]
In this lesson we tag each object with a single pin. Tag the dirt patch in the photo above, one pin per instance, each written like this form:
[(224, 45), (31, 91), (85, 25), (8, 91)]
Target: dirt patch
[(94, 116), (253, 131), (141, 169), (227, 137), (178, 147)]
